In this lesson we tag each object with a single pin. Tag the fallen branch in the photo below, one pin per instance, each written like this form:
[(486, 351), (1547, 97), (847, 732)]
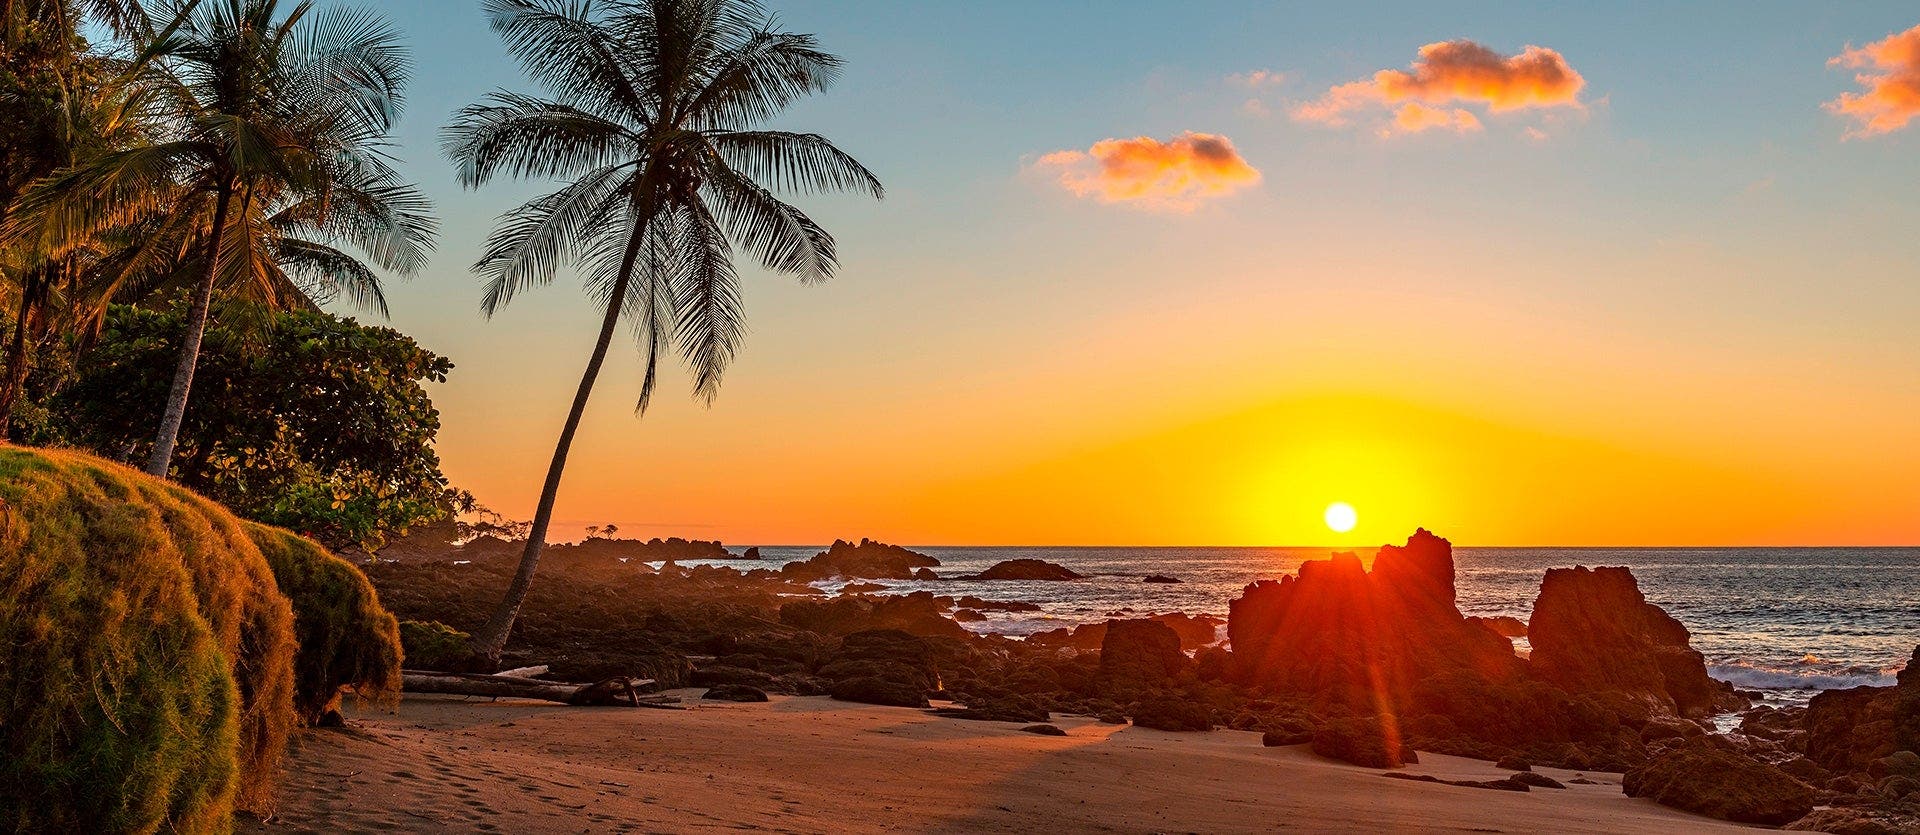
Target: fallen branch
[(619, 691)]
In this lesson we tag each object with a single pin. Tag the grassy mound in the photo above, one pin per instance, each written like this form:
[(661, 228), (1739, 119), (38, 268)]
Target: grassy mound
[(433, 645), (346, 638), (147, 652)]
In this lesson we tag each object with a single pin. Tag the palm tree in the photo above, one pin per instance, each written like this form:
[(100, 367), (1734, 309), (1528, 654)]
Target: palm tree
[(264, 113), (652, 122)]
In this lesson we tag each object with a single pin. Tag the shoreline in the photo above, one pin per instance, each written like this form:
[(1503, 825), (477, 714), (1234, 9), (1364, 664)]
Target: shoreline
[(812, 764)]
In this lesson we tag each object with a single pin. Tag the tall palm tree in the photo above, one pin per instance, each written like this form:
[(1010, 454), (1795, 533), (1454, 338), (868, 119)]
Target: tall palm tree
[(652, 119), (263, 107)]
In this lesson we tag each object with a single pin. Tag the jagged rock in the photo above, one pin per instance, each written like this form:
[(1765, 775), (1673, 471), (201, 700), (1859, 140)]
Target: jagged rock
[(735, 693), (752, 553), (918, 613), (1706, 776), (1112, 718), (867, 560), (1138, 655), (1195, 631), (1365, 741), (728, 676), (1028, 569), (1859, 820), (883, 667), (925, 574), (967, 616), (1044, 730), (1593, 631), (1848, 730), (1172, 714), (1506, 626)]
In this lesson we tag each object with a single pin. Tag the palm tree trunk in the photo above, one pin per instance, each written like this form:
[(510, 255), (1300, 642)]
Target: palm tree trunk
[(491, 640), (16, 373), (176, 412)]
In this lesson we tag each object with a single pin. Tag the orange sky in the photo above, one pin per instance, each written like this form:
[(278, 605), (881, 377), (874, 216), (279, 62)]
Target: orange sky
[(1504, 275)]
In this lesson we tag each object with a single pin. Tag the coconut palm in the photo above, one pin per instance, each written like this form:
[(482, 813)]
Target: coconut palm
[(266, 109), (652, 120)]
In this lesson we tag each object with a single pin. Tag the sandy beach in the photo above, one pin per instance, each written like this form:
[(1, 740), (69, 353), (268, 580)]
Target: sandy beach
[(811, 764)]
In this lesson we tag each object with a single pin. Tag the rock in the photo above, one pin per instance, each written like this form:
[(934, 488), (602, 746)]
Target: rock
[(1847, 730), (967, 616), (1514, 762), (735, 693), (1506, 626), (1002, 709), (1044, 730), (918, 613), (1670, 728), (971, 602), (1539, 781), (1784, 725), (1027, 569), (1286, 736), (875, 690), (1854, 820), (1592, 631), (869, 560), (1139, 655), (1504, 784), (925, 574), (752, 553), (1172, 714), (721, 675), (1710, 779), (1160, 578), (861, 588), (1112, 718), (1365, 741), (1898, 763)]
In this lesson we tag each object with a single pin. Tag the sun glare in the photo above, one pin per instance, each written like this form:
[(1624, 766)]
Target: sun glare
[(1341, 517)]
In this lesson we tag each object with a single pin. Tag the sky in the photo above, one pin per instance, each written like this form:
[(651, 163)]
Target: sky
[(1146, 273)]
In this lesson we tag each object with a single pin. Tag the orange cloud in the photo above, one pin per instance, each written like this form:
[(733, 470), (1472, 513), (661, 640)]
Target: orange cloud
[(1892, 97), (1452, 73), (1414, 117), (1176, 175)]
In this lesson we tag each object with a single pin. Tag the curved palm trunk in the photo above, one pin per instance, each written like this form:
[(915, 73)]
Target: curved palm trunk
[(491, 640), (16, 362), (176, 412)]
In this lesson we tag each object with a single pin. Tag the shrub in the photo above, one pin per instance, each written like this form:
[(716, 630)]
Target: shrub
[(146, 654), (346, 638), (432, 645)]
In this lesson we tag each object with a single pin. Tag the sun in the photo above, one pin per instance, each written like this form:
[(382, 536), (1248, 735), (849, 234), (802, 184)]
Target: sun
[(1341, 517)]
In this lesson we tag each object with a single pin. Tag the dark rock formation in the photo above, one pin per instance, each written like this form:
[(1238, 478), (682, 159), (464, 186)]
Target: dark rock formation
[(861, 588), (1044, 730), (1509, 784), (918, 613), (1340, 635), (1027, 569), (1847, 730), (1506, 626), (1368, 741), (1195, 631), (1002, 709), (735, 693), (1709, 777), (867, 560), (874, 690), (1167, 713), (971, 602), (1514, 762), (967, 616), (1160, 578), (1592, 631), (1139, 655)]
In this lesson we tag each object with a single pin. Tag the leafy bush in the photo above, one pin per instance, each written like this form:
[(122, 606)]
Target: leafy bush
[(346, 638), (432, 645)]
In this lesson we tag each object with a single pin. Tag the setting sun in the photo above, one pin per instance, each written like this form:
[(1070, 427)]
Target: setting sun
[(1341, 517)]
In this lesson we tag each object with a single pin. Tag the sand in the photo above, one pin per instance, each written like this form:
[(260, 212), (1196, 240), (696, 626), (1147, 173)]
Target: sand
[(817, 765)]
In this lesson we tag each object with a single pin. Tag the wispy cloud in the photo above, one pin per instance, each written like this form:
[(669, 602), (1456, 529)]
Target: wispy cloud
[(1258, 78), (1892, 82), (1177, 175), (1446, 78)]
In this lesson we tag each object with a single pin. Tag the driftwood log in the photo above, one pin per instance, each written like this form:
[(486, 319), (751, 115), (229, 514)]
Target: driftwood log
[(616, 692)]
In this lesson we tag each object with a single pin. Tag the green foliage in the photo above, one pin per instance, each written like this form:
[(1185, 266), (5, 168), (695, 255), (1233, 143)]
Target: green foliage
[(318, 424), (346, 638), (146, 654), (433, 645)]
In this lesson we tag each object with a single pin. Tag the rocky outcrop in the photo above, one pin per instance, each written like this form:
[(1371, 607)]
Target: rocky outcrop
[(1369, 741), (918, 613), (1028, 569), (1139, 655), (1169, 713), (1160, 578), (882, 667), (1847, 730), (1195, 631), (1506, 626), (1592, 631), (1709, 777), (1338, 634), (868, 560)]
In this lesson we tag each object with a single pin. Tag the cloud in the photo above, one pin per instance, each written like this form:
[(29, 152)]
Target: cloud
[(1258, 78), (1414, 117), (1445, 76), (1892, 97), (1177, 175)]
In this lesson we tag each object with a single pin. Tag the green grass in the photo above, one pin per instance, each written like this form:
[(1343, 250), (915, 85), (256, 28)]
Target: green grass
[(346, 638)]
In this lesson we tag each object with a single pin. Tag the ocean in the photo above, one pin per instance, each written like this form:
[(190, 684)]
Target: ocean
[(1784, 621)]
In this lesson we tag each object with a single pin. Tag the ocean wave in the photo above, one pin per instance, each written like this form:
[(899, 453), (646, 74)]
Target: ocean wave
[(1807, 677)]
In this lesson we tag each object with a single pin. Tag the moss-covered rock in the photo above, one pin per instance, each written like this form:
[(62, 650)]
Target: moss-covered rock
[(148, 652), (346, 639)]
